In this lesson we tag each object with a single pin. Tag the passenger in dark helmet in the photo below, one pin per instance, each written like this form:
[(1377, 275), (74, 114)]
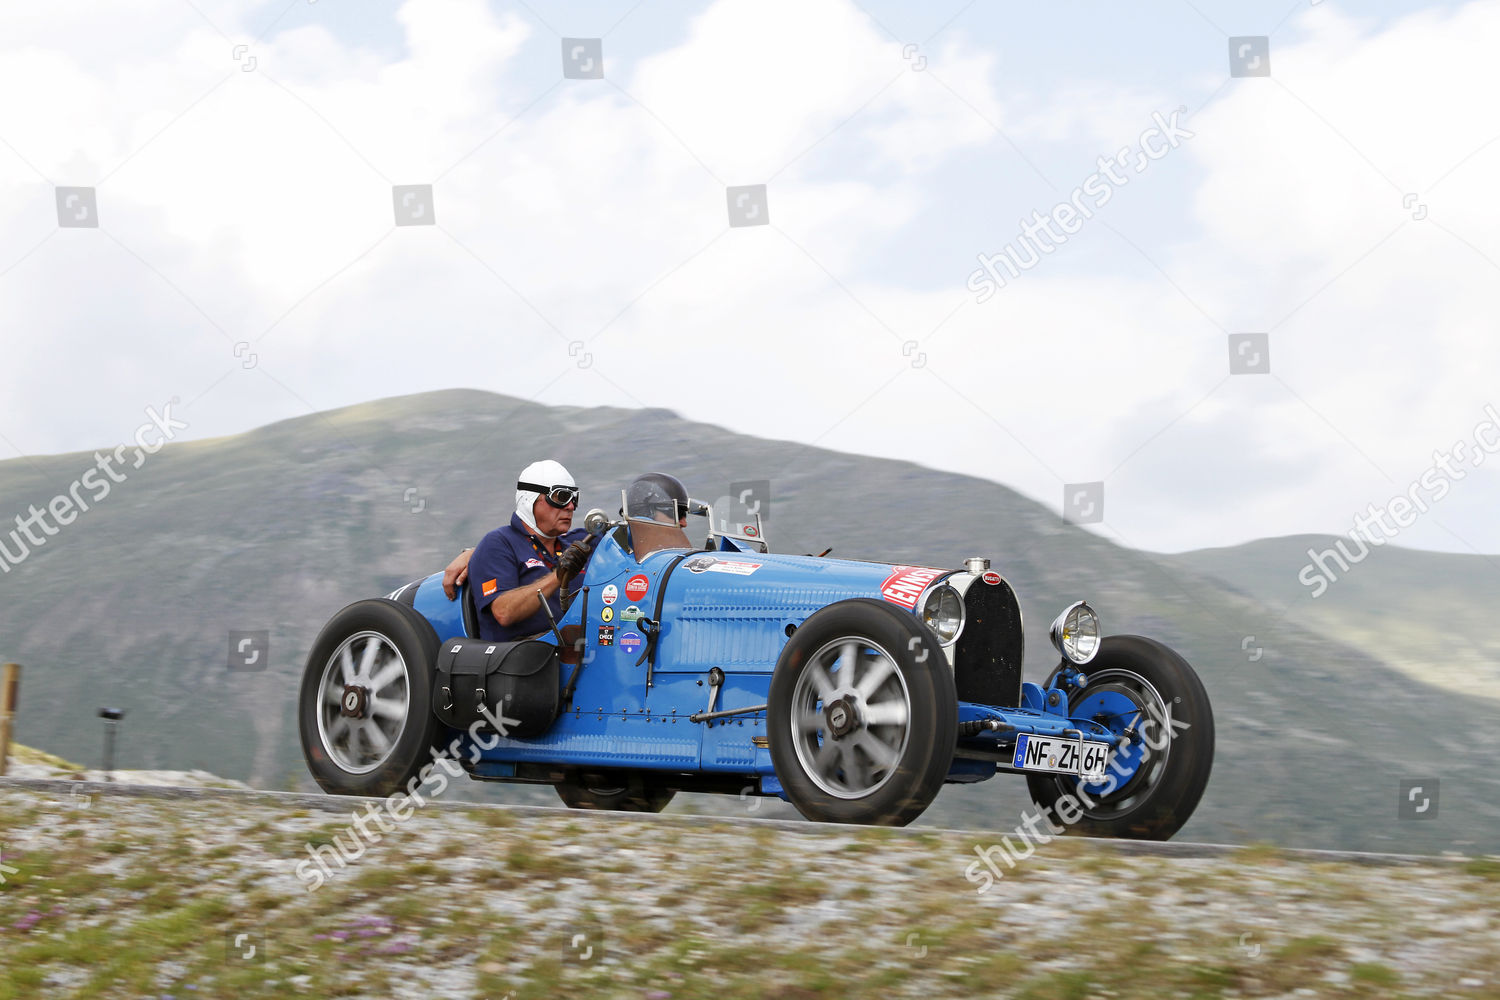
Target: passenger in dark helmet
[(659, 497)]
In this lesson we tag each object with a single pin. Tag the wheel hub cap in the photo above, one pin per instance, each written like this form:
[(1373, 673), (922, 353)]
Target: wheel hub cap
[(354, 702), (364, 702), (850, 712), (841, 717)]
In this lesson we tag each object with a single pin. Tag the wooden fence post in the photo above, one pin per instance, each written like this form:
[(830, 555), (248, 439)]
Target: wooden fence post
[(10, 691)]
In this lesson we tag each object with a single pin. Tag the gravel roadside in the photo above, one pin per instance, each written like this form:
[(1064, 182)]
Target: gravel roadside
[(135, 896)]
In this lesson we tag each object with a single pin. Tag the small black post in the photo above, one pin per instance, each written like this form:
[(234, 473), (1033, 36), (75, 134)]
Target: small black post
[(111, 717)]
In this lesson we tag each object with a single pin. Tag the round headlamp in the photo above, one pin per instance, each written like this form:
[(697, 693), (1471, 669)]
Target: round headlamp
[(1075, 633), (943, 611)]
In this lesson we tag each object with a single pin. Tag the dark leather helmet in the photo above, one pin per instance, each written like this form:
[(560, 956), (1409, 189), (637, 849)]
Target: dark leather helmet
[(656, 493)]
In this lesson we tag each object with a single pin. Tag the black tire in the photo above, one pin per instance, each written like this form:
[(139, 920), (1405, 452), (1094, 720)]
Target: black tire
[(340, 751), (835, 776), (1162, 793), (634, 795)]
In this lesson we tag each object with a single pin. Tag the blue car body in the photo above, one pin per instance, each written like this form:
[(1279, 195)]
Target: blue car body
[(732, 609)]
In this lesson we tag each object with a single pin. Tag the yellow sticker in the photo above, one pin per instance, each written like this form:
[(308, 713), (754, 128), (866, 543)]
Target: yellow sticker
[(608, 614)]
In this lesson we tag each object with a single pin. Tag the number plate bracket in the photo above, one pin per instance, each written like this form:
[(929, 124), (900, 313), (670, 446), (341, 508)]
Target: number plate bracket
[(1067, 753)]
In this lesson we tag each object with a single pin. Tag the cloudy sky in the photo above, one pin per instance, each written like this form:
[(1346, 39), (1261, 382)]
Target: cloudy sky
[(244, 251)]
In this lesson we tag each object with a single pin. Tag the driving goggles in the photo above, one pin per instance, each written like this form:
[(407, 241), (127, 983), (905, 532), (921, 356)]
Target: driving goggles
[(557, 496)]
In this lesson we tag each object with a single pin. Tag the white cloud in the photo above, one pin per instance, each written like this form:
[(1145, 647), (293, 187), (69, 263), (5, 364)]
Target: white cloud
[(1102, 115), (250, 200), (757, 84)]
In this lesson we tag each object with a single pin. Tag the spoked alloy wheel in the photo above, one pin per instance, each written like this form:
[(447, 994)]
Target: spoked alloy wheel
[(851, 717), (366, 698), (1156, 705), (365, 707), (862, 715)]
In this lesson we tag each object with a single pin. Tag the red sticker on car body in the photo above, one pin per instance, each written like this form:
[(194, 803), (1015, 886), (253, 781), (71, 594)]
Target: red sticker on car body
[(992, 578), (636, 586), (906, 583)]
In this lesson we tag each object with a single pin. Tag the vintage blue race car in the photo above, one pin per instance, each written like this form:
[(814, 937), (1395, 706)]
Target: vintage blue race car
[(854, 690)]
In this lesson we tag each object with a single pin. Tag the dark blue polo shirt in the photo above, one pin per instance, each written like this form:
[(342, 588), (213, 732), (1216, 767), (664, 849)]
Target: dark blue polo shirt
[(508, 558)]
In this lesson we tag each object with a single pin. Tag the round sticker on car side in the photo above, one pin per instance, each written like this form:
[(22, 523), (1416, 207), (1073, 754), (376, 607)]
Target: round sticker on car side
[(610, 593), (607, 614), (636, 586), (630, 641)]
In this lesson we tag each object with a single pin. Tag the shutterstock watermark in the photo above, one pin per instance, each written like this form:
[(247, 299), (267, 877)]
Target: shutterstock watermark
[(110, 469), (1069, 807), (1037, 238), (1435, 483), (319, 865)]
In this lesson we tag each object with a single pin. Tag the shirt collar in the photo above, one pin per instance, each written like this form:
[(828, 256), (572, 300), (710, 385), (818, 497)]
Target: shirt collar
[(537, 541)]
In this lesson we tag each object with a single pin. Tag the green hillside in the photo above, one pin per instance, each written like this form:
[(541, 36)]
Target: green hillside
[(1423, 613), (279, 528)]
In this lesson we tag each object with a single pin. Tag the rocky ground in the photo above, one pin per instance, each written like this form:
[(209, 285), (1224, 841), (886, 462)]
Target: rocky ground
[(199, 894), (27, 762)]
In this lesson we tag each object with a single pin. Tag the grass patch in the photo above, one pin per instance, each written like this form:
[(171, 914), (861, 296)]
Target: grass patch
[(1060, 986), (498, 818), (1374, 974), (1312, 946), (524, 859), (1260, 853), (30, 755), (378, 880), (1485, 868)]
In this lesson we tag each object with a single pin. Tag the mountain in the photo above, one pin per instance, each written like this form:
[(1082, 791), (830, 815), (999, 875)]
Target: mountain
[(132, 604), (1423, 613)]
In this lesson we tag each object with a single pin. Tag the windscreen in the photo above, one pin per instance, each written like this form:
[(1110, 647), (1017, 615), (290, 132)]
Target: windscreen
[(647, 537)]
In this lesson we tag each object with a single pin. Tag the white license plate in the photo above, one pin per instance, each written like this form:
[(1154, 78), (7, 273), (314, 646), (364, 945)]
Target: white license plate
[(1061, 755)]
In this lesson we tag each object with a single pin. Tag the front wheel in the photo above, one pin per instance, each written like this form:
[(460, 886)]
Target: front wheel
[(862, 716), (1155, 704)]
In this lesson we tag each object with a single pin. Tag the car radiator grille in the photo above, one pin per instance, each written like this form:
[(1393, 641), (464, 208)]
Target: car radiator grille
[(987, 657)]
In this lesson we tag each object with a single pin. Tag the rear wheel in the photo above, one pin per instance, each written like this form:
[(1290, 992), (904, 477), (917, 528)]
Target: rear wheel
[(1155, 704), (632, 795), (862, 716), (364, 710)]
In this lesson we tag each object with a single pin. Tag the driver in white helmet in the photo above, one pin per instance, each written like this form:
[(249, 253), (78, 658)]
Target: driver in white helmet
[(538, 551)]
